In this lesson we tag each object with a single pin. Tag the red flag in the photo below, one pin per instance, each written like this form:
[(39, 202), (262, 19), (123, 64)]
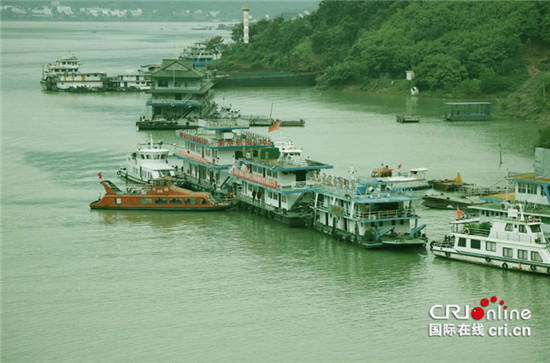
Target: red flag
[(459, 213), (274, 127), (99, 175), (399, 166)]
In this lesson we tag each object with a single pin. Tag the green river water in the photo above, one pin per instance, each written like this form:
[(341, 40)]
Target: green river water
[(124, 286)]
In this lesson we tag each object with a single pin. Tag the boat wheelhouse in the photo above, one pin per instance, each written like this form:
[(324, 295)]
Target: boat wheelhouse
[(148, 162), (514, 242), (277, 182), (467, 111), (414, 179), (362, 212), (209, 152), (162, 195)]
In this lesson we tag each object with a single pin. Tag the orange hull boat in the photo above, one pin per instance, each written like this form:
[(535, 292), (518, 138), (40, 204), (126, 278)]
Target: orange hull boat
[(162, 195)]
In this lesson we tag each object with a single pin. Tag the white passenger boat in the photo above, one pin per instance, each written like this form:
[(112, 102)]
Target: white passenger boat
[(513, 243), (148, 162), (64, 75)]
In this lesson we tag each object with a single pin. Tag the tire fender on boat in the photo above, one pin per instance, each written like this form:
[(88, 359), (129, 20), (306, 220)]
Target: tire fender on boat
[(448, 254), (488, 259), (505, 266), (533, 268), (432, 245)]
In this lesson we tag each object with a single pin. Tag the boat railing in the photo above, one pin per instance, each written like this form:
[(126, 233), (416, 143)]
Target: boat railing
[(297, 185), (477, 231), (365, 215), (448, 243), (222, 122)]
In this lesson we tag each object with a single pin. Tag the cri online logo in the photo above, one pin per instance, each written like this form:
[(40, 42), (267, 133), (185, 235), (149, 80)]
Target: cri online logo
[(501, 312)]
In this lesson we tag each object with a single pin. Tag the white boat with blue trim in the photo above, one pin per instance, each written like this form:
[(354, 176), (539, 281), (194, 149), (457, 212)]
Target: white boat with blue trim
[(513, 242)]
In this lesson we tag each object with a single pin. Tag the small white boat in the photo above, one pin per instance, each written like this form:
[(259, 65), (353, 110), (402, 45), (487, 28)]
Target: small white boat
[(414, 179), (513, 243), (148, 162)]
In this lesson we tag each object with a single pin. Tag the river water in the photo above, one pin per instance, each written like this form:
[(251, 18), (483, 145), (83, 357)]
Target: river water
[(111, 286)]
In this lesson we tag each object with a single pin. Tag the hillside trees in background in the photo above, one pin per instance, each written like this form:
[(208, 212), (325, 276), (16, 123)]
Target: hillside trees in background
[(473, 47)]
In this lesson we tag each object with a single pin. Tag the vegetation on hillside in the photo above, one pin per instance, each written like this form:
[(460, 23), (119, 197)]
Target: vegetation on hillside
[(471, 48)]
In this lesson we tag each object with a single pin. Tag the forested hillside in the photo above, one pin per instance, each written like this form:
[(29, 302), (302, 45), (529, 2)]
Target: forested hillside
[(471, 48)]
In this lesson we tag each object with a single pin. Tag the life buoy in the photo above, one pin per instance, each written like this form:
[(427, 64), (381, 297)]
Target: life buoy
[(467, 230), (533, 268), (487, 259), (505, 266), (172, 104), (448, 254), (432, 245)]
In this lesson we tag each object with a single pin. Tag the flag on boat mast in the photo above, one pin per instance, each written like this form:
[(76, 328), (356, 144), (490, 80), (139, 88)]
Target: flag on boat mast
[(459, 212), (99, 175), (399, 166), (274, 127)]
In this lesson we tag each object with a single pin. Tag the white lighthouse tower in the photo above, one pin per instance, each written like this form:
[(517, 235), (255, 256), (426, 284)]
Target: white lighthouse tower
[(246, 9)]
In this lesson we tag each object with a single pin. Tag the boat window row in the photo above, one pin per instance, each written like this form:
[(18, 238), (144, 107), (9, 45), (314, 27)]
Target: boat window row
[(174, 201), (506, 251), (154, 156), (522, 228), (528, 188)]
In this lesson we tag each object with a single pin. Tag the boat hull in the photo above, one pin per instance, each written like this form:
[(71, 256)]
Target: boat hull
[(93, 205), (499, 262)]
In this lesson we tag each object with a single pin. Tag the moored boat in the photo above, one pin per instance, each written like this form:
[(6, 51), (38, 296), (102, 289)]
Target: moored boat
[(414, 179), (514, 242), (148, 162), (407, 118), (162, 195), (362, 212)]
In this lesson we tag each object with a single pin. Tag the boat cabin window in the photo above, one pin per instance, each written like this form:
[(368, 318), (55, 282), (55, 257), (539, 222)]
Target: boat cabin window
[(475, 244), (535, 228), (522, 254), (118, 200), (162, 156), (535, 256), (142, 156), (160, 183), (160, 200), (490, 246), (191, 201), (146, 201), (156, 156), (522, 228), (203, 201), (175, 201), (374, 174), (507, 252), (462, 242), (509, 227)]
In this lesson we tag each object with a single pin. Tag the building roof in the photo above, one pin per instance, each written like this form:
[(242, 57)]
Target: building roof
[(177, 68)]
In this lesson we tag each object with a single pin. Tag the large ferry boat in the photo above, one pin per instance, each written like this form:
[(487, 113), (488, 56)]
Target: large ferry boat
[(364, 212), (209, 152), (162, 195), (514, 242), (64, 75), (148, 162)]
